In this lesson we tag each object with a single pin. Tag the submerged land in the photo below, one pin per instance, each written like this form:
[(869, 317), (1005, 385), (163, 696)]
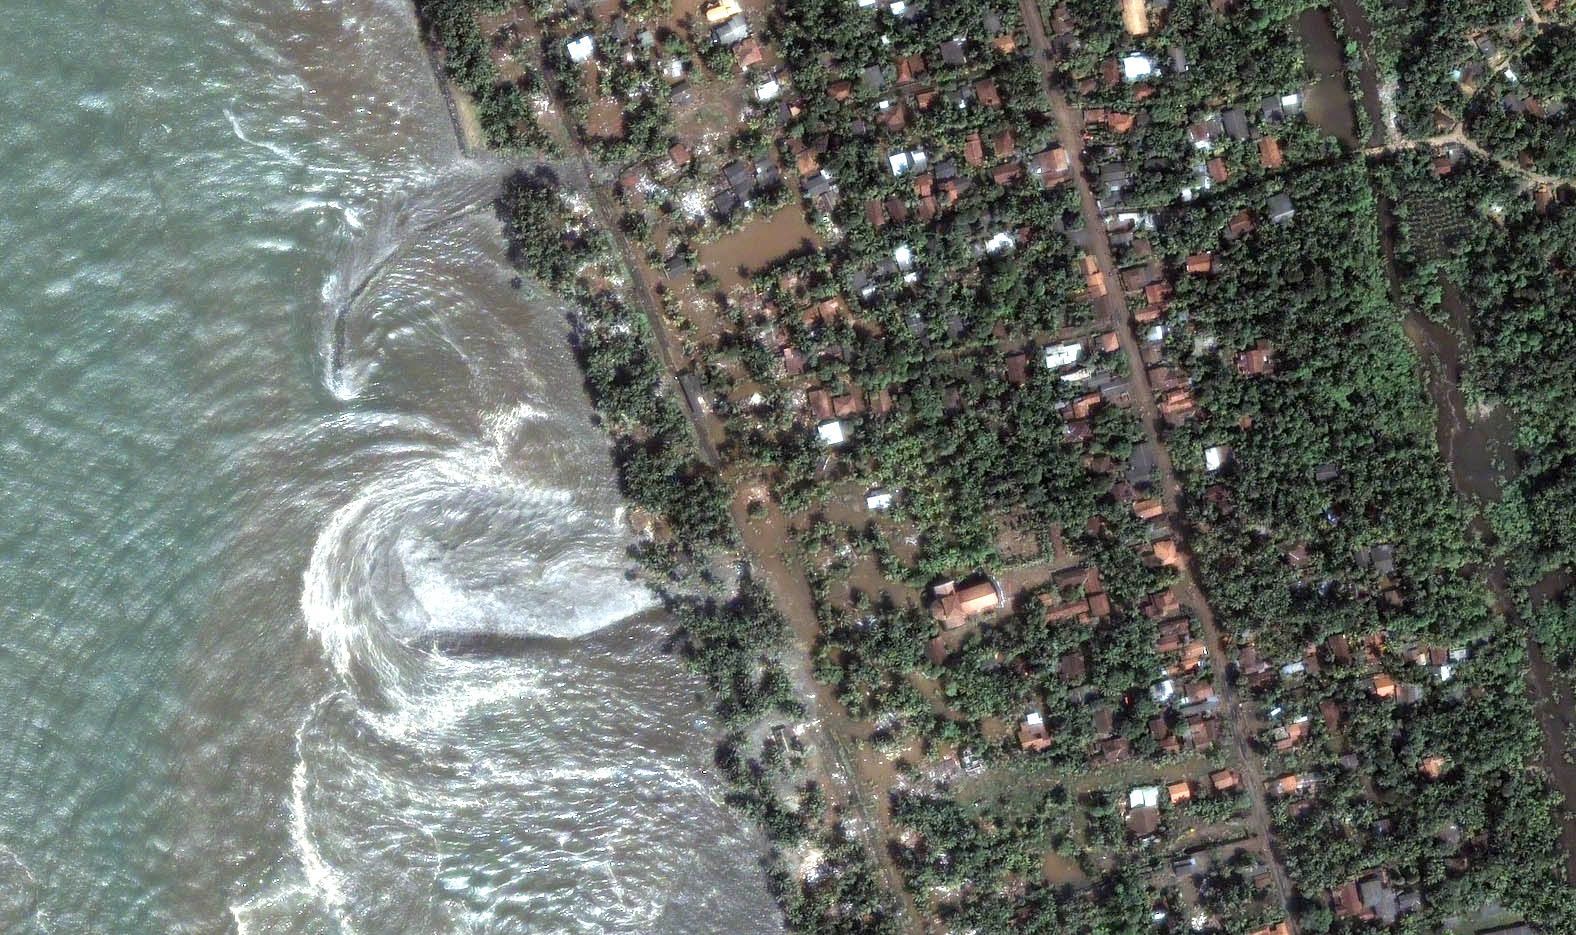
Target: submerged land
[(1110, 460)]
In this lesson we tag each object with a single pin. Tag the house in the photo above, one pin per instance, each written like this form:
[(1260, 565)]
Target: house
[(750, 53), (1137, 66), (1432, 767), (953, 605), (1051, 165), (1201, 732), (1287, 737), (1167, 552), (1113, 750), (1094, 279), (580, 50), (1032, 734), (1180, 792), (1201, 264), (1006, 173), (1224, 780), (1148, 509), (1270, 156), (1285, 785), (1204, 133), (1280, 208), (1003, 144), (1383, 686), (1330, 710), (1256, 361), (1280, 928), (1073, 667), (1017, 368), (1143, 797), (1103, 721), (974, 150), (722, 11), (1135, 17), (1144, 821), (1218, 173), (1172, 635), (1235, 122), (952, 53), (1058, 356), (1240, 225), (733, 32), (985, 92)]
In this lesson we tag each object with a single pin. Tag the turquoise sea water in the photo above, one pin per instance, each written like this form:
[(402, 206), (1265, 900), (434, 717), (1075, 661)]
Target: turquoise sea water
[(273, 426)]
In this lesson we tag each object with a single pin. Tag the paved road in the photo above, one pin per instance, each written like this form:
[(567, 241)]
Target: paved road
[(1069, 129)]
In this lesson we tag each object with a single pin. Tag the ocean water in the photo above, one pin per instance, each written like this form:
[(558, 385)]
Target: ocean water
[(316, 614)]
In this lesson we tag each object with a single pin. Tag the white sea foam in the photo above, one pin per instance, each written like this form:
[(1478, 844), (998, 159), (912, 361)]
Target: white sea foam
[(283, 152)]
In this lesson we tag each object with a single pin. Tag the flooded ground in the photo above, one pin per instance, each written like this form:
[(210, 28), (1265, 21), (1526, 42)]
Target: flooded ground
[(1475, 444), (1329, 106), (1356, 27), (755, 245), (1479, 450)]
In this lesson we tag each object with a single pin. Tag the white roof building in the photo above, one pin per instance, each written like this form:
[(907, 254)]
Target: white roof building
[(1058, 356), (878, 500), (832, 433), (581, 49), (768, 90), (1216, 457), (1144, 797), (1137, 66), (1001, 243)]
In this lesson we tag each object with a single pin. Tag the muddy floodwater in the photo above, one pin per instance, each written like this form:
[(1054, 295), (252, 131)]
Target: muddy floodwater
[(761, 240), (1329, 101), (1328, 105), (1479, 450)]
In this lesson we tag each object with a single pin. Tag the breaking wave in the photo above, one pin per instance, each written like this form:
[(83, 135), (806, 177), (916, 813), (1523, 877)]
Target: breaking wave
[(503, 745)]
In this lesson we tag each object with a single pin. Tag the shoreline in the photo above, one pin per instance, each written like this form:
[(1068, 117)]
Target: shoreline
[(462, 133), (735, 635)]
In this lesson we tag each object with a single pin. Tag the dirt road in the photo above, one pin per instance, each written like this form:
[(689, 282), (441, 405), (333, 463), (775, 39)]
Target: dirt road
[(1069, 124)]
